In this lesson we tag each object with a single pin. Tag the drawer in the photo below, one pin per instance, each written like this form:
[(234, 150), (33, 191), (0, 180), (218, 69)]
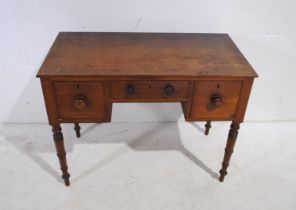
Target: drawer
[(215, 100), (80, 100), (150, 90)]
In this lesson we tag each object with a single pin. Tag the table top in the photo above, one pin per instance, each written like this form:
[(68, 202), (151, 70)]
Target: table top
[(144, 54)]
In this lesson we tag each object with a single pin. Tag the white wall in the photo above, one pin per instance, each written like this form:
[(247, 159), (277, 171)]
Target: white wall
[(264, 30)]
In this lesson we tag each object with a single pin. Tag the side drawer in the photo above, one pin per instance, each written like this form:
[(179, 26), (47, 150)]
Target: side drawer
[(215, 100), (80, 100)]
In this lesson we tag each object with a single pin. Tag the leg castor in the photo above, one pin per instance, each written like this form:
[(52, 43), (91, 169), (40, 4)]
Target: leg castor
[(61, 153), (77, 129), (207, 126), (232, 135)]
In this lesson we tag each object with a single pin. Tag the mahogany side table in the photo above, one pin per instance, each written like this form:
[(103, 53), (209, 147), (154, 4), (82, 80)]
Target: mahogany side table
[(85, 72)]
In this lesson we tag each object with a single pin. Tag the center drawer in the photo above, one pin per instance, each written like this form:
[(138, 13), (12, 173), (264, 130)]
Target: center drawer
[(152, 90)]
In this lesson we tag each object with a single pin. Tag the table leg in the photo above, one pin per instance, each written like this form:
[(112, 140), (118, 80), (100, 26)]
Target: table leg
[(60, 148), (207, 126), (232, 135), (77, 129)]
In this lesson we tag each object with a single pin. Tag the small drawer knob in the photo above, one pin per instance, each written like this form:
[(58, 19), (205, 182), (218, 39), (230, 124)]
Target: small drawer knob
[(79, 102), (216, 100), (130, 90), (169, 90)]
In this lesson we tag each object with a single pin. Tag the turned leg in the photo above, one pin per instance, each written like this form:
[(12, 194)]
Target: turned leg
[(207, 126), (59, 144), (77, 129), (233, 132)]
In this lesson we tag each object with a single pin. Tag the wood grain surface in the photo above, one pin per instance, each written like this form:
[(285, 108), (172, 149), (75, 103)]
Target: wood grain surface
[(144, 54)]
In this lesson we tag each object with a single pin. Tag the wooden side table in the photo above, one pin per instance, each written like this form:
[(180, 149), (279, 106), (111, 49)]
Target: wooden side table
[(84, 73)]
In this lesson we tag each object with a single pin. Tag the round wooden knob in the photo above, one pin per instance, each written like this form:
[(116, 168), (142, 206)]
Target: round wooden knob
[(216, 100), (79, 102), (169, 90), (130, 90)]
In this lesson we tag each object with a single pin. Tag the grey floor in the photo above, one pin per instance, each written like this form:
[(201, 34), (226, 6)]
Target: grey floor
[(149, 166)]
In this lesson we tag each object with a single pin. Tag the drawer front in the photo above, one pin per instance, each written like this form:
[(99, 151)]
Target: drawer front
[(157, 90), (215, 99), (80, 100)]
